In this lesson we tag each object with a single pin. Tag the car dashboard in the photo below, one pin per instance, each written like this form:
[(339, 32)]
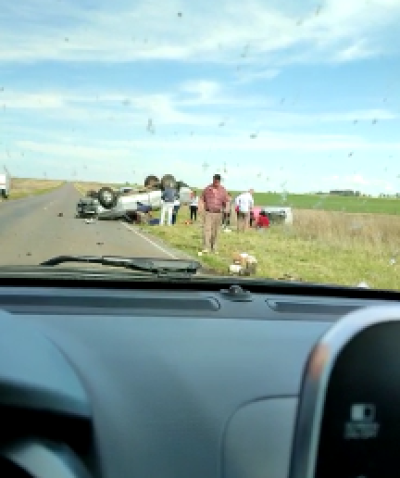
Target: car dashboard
[(150, 383)]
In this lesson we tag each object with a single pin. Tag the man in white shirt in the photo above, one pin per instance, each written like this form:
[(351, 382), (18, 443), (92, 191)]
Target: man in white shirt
[(245, 203)]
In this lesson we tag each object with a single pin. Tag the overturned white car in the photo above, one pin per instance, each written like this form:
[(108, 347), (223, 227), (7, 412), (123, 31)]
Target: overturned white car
[(108, 203)]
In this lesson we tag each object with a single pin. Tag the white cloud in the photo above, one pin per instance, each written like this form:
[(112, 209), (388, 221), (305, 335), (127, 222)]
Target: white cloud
[(202, 89), (78, 152), (26, 100), (122, 31), (189, 104), (245, 77), (180, 146), (132, 106), (356, 51), (357, 179), (358, 115)]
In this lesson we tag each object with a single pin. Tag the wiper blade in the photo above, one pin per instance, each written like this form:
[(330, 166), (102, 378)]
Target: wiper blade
[(155, 266)]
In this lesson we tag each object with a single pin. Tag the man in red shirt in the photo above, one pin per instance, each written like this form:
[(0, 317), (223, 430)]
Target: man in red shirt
[(212, 202)]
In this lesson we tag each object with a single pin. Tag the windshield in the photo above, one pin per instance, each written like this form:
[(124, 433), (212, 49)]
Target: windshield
[(259, 138)]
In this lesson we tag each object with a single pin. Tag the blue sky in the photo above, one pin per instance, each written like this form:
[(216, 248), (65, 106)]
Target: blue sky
[(276, 95)]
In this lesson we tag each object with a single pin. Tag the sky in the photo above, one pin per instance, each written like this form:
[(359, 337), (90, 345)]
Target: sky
[(280, 95)]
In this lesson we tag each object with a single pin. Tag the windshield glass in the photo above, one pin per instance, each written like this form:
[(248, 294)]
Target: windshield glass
[(259, 138)]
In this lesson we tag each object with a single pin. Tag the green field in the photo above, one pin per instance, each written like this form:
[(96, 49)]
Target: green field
[(326, 202), (330, 203), (320, 246)]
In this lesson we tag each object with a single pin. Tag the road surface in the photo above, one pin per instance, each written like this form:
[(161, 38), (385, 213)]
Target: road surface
[(36, 228)]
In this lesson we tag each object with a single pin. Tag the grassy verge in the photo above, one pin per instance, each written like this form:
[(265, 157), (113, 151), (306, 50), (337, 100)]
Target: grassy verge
[(320, 246), (21, 187)]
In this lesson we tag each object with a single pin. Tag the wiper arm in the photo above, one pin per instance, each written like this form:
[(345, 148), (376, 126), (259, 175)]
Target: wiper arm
[(155, 266)]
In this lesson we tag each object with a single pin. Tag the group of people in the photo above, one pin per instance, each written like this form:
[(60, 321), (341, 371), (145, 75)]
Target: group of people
[(215, 204)]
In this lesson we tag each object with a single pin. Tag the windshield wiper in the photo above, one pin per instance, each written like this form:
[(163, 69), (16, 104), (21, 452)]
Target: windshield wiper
[(160, 267)]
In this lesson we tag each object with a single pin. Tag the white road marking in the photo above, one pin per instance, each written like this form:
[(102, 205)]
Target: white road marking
[(157, 246)]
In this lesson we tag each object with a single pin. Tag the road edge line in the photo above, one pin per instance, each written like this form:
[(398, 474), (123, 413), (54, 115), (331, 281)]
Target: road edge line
[(154, 244), (78, 190)]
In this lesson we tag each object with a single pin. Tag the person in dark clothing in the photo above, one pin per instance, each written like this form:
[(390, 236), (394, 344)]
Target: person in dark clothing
[(168, 197), (177, 205), (252, 218), (194, 206), (193, 213)]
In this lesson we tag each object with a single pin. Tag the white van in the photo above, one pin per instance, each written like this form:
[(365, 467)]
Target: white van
[(5, 184)]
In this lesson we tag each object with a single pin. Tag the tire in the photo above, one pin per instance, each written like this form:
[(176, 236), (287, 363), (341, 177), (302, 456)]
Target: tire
[(168, 181), (107, 198), (151, 182)]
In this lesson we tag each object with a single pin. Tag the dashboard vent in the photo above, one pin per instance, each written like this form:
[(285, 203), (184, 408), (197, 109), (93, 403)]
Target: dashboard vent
[(309, 307), (102, 305)]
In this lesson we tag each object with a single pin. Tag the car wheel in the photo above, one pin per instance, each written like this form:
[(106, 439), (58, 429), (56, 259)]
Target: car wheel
[(181, 184), (151, 182), (107, 198)]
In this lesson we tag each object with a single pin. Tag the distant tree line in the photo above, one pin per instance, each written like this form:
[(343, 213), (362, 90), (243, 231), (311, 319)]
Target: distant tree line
[(383, 195), (351, 193)]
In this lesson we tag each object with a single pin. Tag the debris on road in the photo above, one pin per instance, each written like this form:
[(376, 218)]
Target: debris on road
[(289, 277), (60, 214)]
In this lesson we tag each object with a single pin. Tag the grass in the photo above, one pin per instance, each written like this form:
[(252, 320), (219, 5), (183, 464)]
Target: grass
[(23, 187), (321, 246), (334, 239), (331, 203)]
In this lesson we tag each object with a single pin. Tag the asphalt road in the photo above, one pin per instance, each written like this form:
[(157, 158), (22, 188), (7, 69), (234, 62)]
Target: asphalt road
[(36, 228)]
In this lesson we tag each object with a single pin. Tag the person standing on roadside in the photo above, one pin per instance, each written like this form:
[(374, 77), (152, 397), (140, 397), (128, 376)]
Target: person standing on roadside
[(168, 197), (244, 203), (212, 202), (194, 205)]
